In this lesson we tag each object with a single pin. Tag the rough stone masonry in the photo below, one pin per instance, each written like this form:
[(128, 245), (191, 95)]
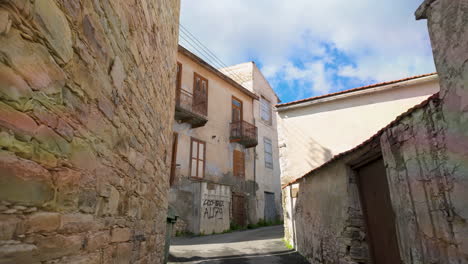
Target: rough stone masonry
[(85, 88)]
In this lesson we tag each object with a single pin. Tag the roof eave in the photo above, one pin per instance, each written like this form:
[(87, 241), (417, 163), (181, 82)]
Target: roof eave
[(215, 71)]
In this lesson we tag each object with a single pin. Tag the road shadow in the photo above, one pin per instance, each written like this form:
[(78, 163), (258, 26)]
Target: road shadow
[(262, 233), (287, 257)]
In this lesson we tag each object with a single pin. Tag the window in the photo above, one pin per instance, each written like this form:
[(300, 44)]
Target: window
[(265, 110), (200, 94), (239, 164), (197, 160), (236, 109), (268, 153)]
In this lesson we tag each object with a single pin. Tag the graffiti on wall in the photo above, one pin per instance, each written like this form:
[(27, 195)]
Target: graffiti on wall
[(213, 209)]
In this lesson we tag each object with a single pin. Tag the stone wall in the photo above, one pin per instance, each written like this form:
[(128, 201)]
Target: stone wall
[(85, 130), (323, 216)]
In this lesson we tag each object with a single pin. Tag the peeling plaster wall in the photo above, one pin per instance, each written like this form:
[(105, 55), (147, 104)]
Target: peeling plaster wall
[(268, 179), (323, 216), (427, 154), (86, 99), (185, 194)]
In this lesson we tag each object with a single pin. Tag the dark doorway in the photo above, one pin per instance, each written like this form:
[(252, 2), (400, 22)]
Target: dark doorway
[(378, 211), (270, 208), (238, 209)]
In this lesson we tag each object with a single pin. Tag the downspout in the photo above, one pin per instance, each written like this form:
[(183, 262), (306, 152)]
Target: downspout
[(255, 163), (293, 221)]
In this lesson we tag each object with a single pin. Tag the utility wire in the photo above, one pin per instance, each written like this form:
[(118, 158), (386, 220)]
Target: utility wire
[(209, 52), (207, 56), (191, 40)]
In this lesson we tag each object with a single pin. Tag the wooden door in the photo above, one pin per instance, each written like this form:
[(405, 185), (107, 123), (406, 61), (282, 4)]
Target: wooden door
[(236, 110), (378, 212), (238, 209), (200, 95), (270, 207), (175, 138)]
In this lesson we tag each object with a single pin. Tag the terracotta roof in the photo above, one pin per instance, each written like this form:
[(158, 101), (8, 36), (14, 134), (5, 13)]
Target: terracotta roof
[(354, 90), (433, 97), (212, 69)]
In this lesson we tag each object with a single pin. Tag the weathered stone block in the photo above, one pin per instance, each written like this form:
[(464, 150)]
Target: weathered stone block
[(17, 253), (97, 240), (51, 141), (12, 86), (24, 181), (94, 258), (56, 246), (123, 253), (42, 222), (5, 22), (33, 62), (78, 223), (121, 234), (55, 27), (67, 182), (17, 121), (8, 226)]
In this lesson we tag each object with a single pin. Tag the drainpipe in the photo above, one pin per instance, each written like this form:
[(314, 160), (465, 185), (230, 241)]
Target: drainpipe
[(293, 220)]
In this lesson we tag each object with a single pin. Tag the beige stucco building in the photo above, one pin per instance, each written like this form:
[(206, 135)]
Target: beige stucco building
[(313, 130), (267, 169), (212, 178)]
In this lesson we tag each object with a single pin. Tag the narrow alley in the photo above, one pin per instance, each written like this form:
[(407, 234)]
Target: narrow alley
[(262, 245)]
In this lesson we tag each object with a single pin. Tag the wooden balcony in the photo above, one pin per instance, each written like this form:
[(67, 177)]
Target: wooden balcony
[(243, 133), (188, 111)]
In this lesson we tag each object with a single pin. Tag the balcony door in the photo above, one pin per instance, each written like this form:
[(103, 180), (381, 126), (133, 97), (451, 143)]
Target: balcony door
[(200, 94), (178, 82), (236, 110)]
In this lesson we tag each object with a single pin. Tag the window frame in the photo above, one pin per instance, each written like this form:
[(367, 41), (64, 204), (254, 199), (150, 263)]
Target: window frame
[(268, 164), (195, 76), (199, 142), (270, 113), (233, 98)]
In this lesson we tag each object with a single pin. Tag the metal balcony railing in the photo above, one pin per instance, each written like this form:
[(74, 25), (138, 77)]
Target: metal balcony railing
[(185, 100), (244, 133)]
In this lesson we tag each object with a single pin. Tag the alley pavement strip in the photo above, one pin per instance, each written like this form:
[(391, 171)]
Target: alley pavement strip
[(262, 245)]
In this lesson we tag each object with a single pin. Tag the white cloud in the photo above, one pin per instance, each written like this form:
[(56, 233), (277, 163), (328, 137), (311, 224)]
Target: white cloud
[(304, 40)]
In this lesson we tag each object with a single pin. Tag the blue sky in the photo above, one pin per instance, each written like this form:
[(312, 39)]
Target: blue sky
[(312, 47)]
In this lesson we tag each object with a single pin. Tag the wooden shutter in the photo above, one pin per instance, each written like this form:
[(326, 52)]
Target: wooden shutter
[(268, 153), (238, 164), (200, 94), (197, 160), (174, 158), (265, 110)]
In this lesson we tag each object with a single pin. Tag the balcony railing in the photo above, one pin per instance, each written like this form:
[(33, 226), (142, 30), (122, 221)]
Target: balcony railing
[(243, 133), (189, 110)]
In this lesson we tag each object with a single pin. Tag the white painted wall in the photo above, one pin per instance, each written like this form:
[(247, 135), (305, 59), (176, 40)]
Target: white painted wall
[(310, 135)]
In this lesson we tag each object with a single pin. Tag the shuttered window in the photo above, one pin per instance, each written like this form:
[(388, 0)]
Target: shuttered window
[(239, 164), (268, 153), (197, 160), (265, 110)]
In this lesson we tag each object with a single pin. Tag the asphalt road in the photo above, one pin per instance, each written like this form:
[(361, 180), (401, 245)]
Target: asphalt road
[(258, 246)]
